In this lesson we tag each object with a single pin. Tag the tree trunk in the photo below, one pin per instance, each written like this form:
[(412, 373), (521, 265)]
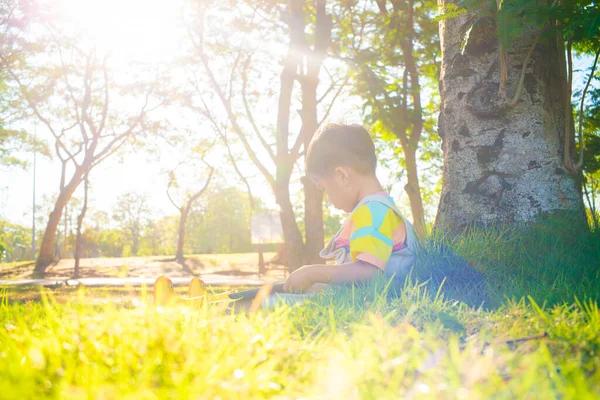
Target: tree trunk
[(501, 164), (46, 254), (184, 213), (413, 189), (80, 218), (313, 197), (181, 235), (292, 236), (135, 242), (291, 232), (66, 235), (313, 222)]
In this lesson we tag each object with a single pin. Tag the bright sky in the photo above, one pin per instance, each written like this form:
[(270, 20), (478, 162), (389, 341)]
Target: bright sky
[(134, 30)]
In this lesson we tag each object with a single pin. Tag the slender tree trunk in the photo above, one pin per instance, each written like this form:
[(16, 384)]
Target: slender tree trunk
[(293, 238), (80, 218), (184, 213), (416, 118), (413, 189), (135, 242), (591, 206), (313, 197), (501, 164), (66, 233), (181, 235), (46, 254), (313, 222)]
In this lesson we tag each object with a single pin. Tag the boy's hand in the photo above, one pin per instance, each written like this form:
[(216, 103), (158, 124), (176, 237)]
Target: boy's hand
[(299, 281)]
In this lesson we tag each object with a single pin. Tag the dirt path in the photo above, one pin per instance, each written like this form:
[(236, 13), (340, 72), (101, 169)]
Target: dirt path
[(215, 265)]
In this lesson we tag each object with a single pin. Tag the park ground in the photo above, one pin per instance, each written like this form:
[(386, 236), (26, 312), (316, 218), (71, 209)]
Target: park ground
[(537, 339), (241, 265)]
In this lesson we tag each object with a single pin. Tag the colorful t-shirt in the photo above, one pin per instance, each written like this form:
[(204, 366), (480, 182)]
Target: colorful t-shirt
[(372, 232)]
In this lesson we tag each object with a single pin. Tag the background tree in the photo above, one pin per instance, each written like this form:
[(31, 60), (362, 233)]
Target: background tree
[(14, 141), (190, 197), (220, 221), (132, 214), (156, 239), (591, 164), (111, 242), (72, 91), (506, 117), (246, 78), (391, 47), (64, 244), (15, 242), (80, 217), (15, 20)]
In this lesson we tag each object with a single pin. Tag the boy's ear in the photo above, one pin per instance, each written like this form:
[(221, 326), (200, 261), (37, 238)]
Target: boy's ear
[(342, 174)]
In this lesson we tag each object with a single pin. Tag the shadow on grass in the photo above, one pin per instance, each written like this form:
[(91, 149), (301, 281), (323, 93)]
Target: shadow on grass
[(550, 260)]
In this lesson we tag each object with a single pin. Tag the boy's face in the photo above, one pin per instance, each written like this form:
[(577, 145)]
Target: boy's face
[(339, 189)]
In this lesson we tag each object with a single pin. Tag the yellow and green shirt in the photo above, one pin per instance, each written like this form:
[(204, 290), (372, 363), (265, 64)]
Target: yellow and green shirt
[(372, 232)]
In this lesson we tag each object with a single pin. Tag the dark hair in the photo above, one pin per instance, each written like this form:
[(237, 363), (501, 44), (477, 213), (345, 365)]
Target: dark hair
[(340, 144)]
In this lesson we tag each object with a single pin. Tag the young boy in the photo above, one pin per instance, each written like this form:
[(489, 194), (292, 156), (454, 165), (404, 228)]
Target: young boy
[(375, 238)]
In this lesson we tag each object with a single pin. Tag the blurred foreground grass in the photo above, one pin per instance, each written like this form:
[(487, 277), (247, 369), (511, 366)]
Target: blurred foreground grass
[(347, 343), (538, 339)]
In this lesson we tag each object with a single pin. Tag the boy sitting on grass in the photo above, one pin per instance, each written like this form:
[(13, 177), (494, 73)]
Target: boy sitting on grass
[(375, 238)]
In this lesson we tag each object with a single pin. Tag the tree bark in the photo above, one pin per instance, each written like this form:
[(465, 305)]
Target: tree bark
[(181, 235), (291, 233), (135, 241), (501, 164), (80, 218), (46, 254), (294, 244), (313, 197), (184, 213), (313, 222)]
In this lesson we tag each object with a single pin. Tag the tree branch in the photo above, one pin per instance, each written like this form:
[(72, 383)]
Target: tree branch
[(249, 112), (105, 105), (342, 86), (112, 146), (33, 105), (171, 182), (199, 193), (223, 137), (236, 128)]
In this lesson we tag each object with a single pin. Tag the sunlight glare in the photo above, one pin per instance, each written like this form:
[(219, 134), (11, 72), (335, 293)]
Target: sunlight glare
[(132, 29)]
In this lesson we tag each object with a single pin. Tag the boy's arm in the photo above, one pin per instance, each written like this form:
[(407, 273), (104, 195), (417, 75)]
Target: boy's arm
[(301, 279)]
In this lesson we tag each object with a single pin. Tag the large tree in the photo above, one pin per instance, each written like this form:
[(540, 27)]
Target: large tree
[(506, 118), (88, 108), (236, 68), (391, 48)]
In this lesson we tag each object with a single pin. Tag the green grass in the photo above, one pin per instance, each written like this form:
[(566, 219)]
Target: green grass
[(537, 339)]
